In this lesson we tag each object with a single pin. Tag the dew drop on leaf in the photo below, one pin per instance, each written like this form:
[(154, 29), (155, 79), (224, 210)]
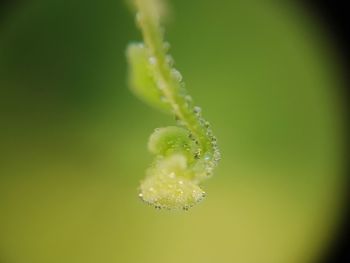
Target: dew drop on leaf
[(176, 74), (197, 109), (169, 59)]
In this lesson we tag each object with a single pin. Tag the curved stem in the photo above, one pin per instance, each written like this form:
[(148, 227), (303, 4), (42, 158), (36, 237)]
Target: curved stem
[(169, 82)]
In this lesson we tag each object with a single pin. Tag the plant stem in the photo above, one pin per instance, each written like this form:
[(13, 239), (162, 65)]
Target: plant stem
[(169, 82)]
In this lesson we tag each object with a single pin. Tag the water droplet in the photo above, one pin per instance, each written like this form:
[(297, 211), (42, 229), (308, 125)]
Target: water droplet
[(188, 98), (169, 59), (197, 109), (217, 156), (176, 74)]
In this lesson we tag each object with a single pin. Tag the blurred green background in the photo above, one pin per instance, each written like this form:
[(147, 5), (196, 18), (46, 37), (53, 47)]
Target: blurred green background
[(73, 138)]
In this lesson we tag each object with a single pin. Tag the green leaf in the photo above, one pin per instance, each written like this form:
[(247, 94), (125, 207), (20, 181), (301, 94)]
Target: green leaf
[(169, 140), (141, 79)]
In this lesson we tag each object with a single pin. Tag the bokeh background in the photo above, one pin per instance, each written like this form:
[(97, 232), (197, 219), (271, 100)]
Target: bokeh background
[(73, 138)]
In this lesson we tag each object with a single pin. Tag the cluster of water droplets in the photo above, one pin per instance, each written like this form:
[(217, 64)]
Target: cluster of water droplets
[(166, 185), (212, 155)]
